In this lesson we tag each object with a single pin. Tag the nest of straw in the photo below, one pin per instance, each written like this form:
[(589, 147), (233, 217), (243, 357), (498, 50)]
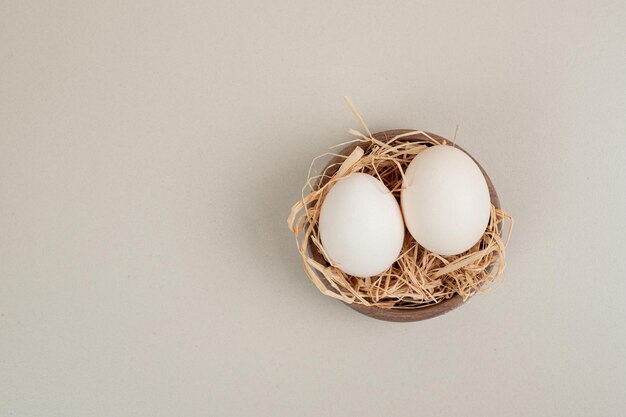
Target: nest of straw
[(418, 278)]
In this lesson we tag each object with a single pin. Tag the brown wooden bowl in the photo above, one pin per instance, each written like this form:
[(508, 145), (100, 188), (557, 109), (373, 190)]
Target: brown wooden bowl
[(401, 314)]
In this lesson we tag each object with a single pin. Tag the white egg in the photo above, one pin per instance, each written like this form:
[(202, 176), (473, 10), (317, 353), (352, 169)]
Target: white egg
[(445, 201), (361, 225)]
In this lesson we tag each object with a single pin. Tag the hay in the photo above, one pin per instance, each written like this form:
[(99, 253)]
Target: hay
[(419, 277)]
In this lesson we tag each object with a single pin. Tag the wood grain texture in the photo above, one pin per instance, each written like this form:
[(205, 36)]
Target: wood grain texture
[(398, 314)]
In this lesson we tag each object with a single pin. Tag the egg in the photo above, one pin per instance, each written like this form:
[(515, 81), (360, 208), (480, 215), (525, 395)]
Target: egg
[(361, 226), (445, 200)]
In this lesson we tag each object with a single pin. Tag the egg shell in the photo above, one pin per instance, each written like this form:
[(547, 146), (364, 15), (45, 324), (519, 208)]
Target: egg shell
[(361, 226), (445, 200)]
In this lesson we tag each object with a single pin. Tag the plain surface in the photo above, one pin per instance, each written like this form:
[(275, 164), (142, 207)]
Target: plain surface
[(149, 155)]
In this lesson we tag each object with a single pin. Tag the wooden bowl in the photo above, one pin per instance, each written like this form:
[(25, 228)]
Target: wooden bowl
[(399, 314)]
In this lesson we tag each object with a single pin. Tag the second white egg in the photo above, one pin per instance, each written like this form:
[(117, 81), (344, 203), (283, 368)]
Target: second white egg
[(361, 226), (445, 201)]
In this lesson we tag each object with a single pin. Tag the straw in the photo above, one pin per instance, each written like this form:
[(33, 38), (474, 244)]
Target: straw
[(418, 277)]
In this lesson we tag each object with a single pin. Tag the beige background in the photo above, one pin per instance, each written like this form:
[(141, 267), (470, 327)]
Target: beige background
[(149, 154)]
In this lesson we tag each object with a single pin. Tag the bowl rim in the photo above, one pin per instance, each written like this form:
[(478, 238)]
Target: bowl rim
[(404, 314)]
